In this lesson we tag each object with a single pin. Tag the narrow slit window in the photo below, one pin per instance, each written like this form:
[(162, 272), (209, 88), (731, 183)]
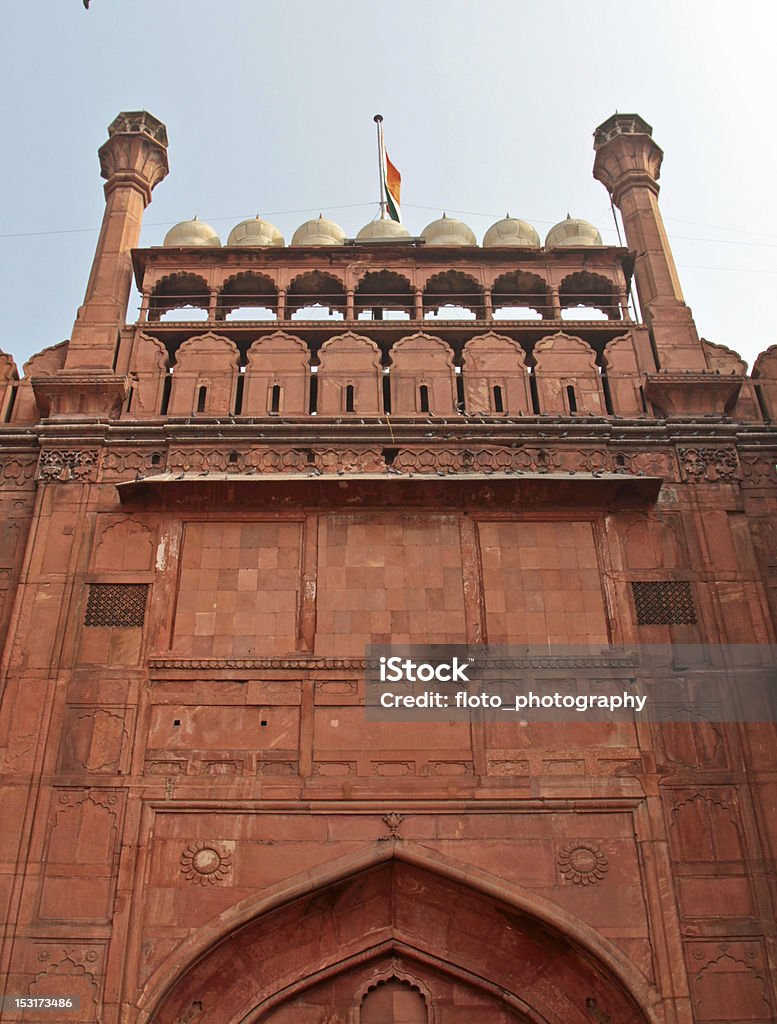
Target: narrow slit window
[(423, 398), (166, 389), (571, 398), (275, 398), (349, 406), (499, 405), (202, 395)]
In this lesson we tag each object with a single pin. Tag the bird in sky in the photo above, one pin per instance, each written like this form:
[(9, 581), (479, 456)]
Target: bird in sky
[(86, 4)]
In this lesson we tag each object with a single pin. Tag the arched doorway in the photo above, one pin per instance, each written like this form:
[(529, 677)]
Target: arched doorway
[(460, 949)]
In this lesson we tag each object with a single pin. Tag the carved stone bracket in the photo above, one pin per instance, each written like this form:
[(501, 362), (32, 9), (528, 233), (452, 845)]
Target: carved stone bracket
[(693, 394), (86, 395)]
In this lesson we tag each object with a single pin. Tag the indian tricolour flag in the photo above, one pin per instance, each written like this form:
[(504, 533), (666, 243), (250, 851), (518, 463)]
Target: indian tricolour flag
[(391, 184)]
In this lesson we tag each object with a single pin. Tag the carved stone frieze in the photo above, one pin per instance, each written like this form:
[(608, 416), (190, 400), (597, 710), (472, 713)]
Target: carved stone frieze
[(440, 461), (709, 465), (759, 469), (68, 464), (133, 462), (17, 471)]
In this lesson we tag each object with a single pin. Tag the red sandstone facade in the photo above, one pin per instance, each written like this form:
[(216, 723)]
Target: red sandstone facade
[(199, 824)]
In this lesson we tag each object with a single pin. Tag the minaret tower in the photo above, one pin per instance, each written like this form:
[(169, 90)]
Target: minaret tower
[(133, 161), (628, 163)]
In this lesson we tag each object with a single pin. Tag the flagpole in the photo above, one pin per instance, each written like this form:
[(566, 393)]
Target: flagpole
[(378, 119)]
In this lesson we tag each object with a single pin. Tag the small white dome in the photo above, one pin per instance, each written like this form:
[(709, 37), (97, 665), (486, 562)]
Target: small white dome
[(255, 232), (318, 232), (572, 232), (382, 230), (192, 232), (448, 231), (511, 231)]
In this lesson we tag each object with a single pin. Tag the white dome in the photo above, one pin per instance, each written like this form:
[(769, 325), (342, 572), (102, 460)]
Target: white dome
[(511, 231), (192, 232), (448, 231), (318, 232), (382, 230), (255, 232), (572, 232)]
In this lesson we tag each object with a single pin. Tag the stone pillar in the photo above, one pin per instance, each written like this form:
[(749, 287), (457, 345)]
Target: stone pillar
[(488, 304), (281, 314), (350, 313), (628, 163), (419, 303), (133, 160), (554, 300)]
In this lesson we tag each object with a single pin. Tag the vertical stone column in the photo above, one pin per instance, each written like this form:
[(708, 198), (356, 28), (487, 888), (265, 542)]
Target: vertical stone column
[(628, 163), (133, 161)]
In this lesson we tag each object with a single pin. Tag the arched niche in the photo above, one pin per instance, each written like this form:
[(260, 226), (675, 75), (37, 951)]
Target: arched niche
[(585, 291), (496, 381), (277, 377), (453, 291), (315, 288), (205, 377), (624, 378), (43, 364), (398, 914), (765, 377), (567, 376), (148, 371), (726, 361), (254, 294), (349, 361), (519, 294), (178, 291), (422, 377), (380, 291)]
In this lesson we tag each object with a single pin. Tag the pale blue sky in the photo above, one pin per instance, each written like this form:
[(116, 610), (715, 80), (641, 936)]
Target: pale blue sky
[(488, 107)]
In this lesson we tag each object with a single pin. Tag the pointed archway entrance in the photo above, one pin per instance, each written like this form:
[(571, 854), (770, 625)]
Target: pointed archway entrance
[(389, 944)]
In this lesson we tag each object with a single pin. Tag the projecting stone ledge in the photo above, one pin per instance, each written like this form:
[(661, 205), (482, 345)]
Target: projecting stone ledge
[(81, 395), (693, 394)]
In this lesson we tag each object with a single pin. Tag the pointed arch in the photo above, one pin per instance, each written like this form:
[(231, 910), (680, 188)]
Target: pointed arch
[(494, 373), (567, 376), (379, 290), (521, 290), (178, 291), (389, 878), (277, 377), (205, 376), (349, 360), (422, 375), (248, 288), (315, 288), (585, 290), (454, 288)]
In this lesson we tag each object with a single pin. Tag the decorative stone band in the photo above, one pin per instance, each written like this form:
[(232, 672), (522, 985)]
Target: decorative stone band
[(441, 461), (613, 661)]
